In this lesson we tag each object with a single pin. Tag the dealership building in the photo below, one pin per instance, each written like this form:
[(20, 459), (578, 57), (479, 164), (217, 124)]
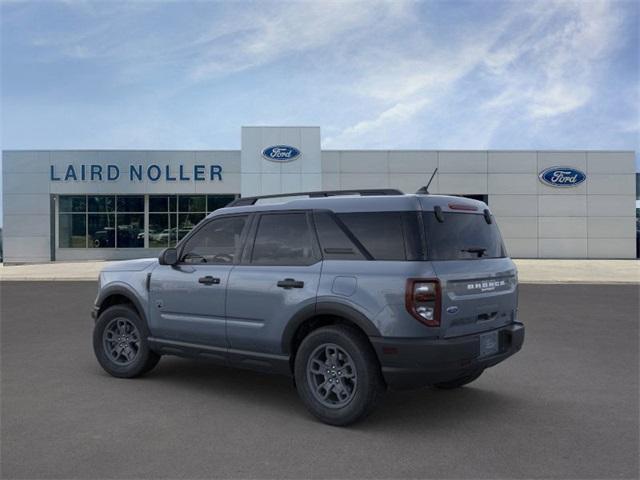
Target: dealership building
[(116, 204)]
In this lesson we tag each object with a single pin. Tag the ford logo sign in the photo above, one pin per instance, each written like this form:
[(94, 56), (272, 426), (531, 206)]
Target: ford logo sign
[(562, 177), (281, 153)]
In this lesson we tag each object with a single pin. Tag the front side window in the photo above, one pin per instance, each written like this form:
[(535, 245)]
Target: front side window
[(283, 239), (462, 236), (217, 242)]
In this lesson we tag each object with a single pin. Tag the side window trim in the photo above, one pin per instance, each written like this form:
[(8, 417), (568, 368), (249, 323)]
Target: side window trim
[(315, 247), (413, 250), (248, 239), (424, 245), (183, 243), (244, 236), (247, 254)]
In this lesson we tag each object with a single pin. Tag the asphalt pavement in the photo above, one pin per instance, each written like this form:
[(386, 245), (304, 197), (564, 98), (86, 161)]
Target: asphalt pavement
[(566, 406)]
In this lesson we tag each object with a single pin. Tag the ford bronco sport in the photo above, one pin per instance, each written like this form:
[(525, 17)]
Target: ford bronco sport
[(350, 293)]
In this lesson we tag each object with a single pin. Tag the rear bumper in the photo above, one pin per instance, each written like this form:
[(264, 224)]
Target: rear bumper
[(414, 363)]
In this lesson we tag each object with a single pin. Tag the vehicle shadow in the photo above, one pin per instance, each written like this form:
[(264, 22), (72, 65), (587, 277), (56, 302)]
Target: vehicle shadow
[(433, 408), (275, 394)]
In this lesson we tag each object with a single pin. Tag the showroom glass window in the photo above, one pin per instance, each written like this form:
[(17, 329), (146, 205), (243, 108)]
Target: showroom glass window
[(130, 221), (171, 217), (72, 221), (162, 220), (118, 221), (101, 221)]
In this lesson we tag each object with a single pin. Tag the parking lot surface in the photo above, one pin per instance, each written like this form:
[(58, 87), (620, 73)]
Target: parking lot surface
[(566, 406)]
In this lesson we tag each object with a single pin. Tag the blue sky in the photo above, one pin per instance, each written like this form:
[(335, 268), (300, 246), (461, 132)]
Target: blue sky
[(374, 74)]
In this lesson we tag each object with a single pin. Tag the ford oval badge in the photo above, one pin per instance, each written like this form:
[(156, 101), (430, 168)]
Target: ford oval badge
[(562, 177), (281, 153)]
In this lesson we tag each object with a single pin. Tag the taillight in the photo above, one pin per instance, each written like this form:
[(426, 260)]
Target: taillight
[(422, 300)]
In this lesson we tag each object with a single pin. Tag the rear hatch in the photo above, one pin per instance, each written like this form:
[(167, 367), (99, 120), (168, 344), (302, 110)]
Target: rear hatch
[(478, 281)]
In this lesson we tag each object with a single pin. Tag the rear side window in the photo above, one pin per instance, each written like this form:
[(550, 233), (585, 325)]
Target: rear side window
[(381, 233), (334, 241), (283, 239), (462, 236)]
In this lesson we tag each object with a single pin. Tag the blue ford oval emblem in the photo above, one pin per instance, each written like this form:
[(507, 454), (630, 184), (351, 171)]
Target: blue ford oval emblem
[(562, 177), (452, 309), (281, 153)]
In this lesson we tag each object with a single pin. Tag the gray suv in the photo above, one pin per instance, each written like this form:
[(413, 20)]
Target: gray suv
[(350, 293)]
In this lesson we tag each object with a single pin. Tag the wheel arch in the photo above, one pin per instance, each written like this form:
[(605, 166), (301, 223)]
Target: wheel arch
[(119, 295), (319, 315)]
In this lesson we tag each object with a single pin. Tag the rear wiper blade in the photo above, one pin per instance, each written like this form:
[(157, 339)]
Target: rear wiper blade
[(479, 250)]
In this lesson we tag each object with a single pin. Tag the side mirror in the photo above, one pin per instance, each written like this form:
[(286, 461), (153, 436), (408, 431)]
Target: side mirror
[(169, 256)]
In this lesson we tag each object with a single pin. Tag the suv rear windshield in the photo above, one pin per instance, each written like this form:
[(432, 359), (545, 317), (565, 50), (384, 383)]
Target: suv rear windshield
[(462, 236)]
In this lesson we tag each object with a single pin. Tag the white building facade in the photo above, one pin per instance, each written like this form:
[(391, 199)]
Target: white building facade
[(116, 204)]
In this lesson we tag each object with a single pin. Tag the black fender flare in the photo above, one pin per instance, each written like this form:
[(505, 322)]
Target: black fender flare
[(123, 290), (326, 308)]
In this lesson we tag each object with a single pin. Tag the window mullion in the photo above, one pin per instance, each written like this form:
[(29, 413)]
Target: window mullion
[(146, 221), (115, 221)]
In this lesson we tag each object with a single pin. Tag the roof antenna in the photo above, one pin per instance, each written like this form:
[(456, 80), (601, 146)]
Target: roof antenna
[(425, 190)]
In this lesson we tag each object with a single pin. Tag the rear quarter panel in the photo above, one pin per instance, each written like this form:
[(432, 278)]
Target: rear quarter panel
[(377, 290)]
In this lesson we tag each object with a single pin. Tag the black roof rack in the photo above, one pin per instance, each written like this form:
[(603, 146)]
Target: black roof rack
[(244, 201)]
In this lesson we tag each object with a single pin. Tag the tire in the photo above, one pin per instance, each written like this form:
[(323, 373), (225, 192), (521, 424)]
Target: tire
[(358, 380), (460, 381), (135, 358)]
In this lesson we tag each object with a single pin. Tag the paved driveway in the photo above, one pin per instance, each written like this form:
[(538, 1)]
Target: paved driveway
[(566, 406)]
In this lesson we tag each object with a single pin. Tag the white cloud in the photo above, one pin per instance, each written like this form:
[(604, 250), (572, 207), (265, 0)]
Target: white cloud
[(558, 98), (543, 56), (232, 37), (398, 113), (377, 72), (566, 58), (261, 37)]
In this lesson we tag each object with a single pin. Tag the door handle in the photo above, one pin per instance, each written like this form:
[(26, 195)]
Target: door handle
[(290, 283), (209, 280)]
